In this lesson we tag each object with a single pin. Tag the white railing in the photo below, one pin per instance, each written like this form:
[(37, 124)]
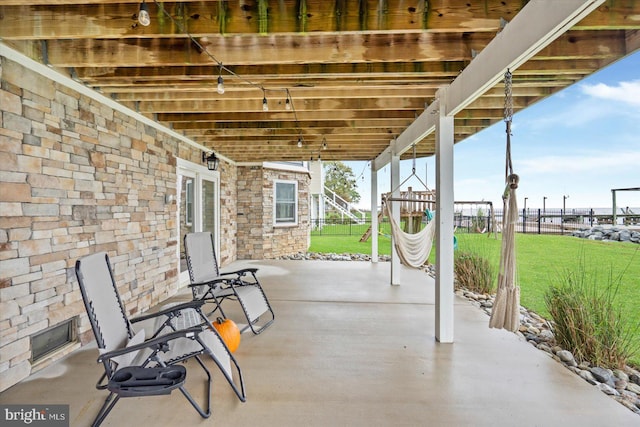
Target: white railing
[(342, 206)]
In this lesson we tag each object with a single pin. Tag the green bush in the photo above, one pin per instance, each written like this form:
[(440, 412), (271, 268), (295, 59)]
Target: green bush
[(587, 319), (473, 272)]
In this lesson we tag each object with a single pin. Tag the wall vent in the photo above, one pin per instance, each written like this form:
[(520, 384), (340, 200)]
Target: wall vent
[(51, 339)]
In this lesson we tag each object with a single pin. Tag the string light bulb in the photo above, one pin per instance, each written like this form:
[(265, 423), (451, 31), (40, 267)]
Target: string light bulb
[(220, 82), (143, 14), (287, 105), (299, 142), (324, 143), (265, 106)]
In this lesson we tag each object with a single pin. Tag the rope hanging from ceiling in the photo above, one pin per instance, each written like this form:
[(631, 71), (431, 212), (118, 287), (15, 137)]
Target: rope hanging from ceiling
[(506, 307)]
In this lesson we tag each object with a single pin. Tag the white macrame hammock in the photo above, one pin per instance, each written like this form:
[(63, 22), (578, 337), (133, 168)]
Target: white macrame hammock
[(413, 249), (505, 313)]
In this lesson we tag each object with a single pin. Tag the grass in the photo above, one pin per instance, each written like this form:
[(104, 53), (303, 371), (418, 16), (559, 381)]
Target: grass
[(588, 321), (540, 259), (474, 271)]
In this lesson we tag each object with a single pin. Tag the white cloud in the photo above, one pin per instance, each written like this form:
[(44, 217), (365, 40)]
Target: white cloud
[(627, 92)]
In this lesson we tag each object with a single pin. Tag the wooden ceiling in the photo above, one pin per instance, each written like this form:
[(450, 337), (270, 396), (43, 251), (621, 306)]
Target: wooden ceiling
[(357, 72)]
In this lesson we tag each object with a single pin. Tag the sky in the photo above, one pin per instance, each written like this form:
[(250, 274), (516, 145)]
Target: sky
[(580, 142)]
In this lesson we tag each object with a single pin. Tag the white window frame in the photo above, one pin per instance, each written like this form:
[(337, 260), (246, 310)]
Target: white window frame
[(295, 203)]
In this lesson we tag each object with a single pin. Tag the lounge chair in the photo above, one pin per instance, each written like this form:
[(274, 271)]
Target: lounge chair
[(209, 284), (135, 366)]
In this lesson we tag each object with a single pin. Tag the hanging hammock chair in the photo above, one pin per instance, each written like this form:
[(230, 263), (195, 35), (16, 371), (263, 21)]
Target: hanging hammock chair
[(413, 249), (506, 308)]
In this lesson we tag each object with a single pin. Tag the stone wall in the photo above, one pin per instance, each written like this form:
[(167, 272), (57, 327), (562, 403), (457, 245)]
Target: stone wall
[(228, 213), (250, 212), (79, 177), (257, 236)]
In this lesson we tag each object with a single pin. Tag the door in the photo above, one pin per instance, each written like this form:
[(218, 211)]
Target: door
[(198, 206)]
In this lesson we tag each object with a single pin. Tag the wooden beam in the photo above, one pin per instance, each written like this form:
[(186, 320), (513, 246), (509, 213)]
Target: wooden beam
[(287, 116), (68, 19), (312, 124), (231, 105), (274, 49)]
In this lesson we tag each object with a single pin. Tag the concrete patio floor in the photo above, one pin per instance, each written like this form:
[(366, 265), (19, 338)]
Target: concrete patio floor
[(347, 349)]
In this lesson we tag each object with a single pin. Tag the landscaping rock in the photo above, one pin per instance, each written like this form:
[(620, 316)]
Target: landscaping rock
[(608, 389), (584, 365), (603, 375), (633, 388), (567, 357), (547, 335), (634, 378), (619, 373), (621, 234), (544, 347), (620, 384), (588, 377)]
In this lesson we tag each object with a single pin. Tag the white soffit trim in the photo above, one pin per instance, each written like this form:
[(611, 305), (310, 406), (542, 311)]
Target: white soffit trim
[(54, 75), (538, 24)]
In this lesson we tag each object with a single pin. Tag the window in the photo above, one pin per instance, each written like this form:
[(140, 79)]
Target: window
[(51, 339), (188, 201), (286, 203)]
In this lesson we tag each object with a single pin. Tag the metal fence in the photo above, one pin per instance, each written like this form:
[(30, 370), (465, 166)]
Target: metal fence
[(536, 221)]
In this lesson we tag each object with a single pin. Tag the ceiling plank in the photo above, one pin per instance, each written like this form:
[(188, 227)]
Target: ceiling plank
[(68, 19), (273, 49)]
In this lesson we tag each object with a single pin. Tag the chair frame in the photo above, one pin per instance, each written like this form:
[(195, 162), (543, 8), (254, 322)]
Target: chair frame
[(225, 286), (158, 343)]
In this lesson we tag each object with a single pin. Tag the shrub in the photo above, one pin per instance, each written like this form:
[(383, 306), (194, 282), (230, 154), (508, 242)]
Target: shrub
[(587, 319), (474, 272)]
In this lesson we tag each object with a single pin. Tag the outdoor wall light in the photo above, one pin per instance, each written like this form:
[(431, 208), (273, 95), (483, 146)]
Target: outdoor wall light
[(212, 161), (143, 14)]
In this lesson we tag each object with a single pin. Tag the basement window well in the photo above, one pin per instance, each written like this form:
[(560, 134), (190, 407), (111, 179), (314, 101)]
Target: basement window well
[(51, 339)]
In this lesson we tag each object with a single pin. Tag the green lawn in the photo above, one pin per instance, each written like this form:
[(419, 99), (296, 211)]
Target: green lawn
[(541, 259)]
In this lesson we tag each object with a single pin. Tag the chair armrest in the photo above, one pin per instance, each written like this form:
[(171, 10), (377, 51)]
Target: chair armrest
[(209, 283), (241, 272), (178, 307), (156, 343)]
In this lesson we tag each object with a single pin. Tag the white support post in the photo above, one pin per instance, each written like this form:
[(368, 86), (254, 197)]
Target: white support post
[(374, 215), (395, 210), (444, 223)]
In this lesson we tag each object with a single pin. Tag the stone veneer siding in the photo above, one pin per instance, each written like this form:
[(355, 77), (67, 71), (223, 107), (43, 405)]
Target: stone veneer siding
[(228, 213), (257, 236), (77, 177)]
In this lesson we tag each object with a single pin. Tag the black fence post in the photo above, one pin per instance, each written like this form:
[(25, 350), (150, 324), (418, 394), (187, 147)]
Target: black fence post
[(539, 221), (591, 217), (524, 221)]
